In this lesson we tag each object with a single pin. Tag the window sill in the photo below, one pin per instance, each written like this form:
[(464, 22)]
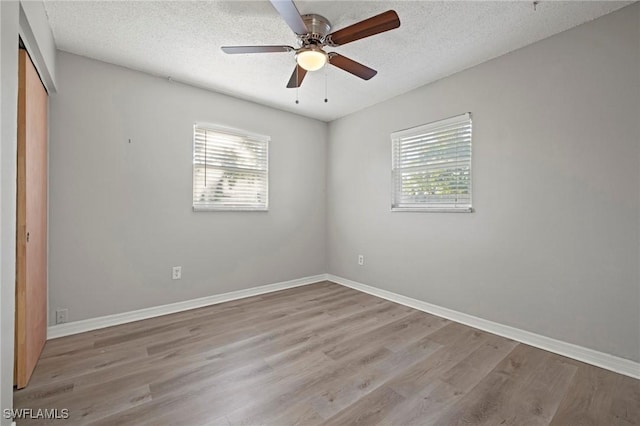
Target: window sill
[(229, 209), (433, 209)]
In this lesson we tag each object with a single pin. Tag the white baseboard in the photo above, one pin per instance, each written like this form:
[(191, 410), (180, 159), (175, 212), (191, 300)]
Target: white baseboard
[(76, 327), (580, 353)]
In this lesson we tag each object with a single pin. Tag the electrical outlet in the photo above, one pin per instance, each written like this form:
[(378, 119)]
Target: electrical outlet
[(176, 272), (62, 315), (360, 260)]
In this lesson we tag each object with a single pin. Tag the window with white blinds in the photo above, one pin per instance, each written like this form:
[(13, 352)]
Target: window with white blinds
[(230, 169), (431, 166)]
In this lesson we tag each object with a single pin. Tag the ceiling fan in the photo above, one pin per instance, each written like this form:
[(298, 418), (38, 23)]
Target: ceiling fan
[(313, 36)]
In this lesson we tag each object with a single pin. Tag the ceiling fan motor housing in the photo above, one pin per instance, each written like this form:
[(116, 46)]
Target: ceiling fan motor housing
[(318, 27)]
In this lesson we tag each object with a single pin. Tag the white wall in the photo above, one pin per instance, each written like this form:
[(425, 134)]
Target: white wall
[(120, 213), (553, 246), (38, 39), (9, 12), (29, 22)]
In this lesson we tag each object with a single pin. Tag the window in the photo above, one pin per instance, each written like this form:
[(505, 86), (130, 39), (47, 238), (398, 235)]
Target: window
[(431, 166), (230, 169)]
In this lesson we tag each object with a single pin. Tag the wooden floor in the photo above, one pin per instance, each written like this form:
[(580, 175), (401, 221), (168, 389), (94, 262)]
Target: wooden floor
[(318, 354)]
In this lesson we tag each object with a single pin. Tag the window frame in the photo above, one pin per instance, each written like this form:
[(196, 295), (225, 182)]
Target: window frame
[(427, 207), (234, 132)]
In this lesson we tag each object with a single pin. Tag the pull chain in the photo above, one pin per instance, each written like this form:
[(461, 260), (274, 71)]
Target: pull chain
[(297, 86), (325, 86)]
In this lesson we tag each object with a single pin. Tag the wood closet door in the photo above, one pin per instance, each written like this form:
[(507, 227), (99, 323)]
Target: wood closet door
[(31, 231)]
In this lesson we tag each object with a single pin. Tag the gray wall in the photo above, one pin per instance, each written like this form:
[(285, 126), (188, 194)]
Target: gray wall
[(120, 213), (553, 247)]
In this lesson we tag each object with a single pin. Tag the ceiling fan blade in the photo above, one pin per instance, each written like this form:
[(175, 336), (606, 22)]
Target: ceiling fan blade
[(375, 25), (296, 77), (351, 66), (255, 49), (289, 12)]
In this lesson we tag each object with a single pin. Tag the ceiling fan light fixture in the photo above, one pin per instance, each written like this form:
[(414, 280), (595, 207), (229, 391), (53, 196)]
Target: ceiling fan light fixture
[(311, 59)]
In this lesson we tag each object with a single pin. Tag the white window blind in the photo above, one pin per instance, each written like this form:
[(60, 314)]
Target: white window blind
[(431, 166), (230, 169)]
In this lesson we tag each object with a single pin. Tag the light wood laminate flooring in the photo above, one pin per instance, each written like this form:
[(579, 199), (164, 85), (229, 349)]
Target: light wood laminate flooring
[(317, 354)]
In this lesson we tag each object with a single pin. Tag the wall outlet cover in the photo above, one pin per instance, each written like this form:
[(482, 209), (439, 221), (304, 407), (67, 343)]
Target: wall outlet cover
[(62, 316), (176, 272)]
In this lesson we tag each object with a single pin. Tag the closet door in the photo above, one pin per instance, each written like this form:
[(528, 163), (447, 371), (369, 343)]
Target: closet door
[(31, 231)]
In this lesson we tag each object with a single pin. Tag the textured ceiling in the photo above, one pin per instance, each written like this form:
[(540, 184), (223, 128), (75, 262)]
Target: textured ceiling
[(182, 40)]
